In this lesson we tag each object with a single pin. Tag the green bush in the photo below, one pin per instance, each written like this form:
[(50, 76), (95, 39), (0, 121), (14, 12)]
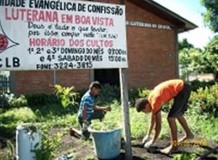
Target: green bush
[(184, 156), (18, 115), (111, 120), (196, 84), (105, 125), (10, 119), (31, 100), (4, 99), (50, 110), (67, 95), (81, 92), (144, 92), (135, 93), (48, 146), (40, 99), (18, 102), (108, 94), (206, 99)]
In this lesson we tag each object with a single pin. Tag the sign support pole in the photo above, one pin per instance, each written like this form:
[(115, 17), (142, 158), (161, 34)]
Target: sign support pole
[(125, 108)]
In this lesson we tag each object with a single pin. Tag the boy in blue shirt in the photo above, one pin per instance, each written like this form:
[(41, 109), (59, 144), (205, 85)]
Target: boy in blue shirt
[(88, 109)]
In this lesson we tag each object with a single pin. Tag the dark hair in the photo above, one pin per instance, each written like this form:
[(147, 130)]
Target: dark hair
[(95, 84), (140, 104)]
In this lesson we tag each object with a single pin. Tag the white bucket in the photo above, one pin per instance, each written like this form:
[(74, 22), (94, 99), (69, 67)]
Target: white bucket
[(26, 141)]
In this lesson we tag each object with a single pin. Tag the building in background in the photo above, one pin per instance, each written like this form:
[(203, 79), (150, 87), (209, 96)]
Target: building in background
[(152, 38)]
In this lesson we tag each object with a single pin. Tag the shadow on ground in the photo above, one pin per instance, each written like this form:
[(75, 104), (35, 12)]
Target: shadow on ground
[(122, 157)]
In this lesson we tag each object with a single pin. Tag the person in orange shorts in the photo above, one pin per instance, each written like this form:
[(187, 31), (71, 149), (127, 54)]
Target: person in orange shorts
[(164, 92)]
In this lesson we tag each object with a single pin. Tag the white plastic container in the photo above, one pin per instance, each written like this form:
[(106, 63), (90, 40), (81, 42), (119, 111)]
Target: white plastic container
[(26, 139)]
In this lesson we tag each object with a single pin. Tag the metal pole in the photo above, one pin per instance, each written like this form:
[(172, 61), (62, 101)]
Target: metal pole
[(124, 102)]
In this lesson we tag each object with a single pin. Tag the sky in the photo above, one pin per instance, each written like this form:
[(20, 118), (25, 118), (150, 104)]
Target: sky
[(191, 10)]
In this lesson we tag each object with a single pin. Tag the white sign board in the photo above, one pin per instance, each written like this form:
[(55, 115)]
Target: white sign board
[(49, 34)]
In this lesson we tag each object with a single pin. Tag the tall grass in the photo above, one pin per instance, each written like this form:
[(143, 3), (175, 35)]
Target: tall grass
[(139, 121), (200, 125)]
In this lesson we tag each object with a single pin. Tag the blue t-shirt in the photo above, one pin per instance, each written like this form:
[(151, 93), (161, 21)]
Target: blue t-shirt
[(89, 101)]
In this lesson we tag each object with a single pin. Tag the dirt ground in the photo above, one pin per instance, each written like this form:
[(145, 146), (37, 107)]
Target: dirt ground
[(84, 150), (78, 149)]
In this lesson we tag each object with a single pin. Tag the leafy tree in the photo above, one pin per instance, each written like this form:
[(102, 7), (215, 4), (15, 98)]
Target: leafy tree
[(210, 57), (190, 61), (196, 60), (185, 44), (211, 14), (189, 58)]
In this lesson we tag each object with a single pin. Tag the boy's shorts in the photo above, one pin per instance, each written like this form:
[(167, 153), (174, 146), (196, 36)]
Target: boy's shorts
[(95, 115), (180, 102)]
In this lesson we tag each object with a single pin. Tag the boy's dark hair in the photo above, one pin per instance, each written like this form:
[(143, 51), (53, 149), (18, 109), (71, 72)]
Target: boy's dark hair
[(140, 104), (95, 84)]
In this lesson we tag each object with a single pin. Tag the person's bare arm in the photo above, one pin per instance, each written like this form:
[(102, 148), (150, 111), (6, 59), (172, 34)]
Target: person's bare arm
[(97, 108), (151, 126), (157, 118), (84, 113)]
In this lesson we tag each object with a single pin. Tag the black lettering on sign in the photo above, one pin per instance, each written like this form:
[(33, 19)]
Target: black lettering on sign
[(12, 3), (61, 27), (43, 66), (73, 51), (64, 65), (81, 65), (33, 33), (81, 7), (13, 62), (16, 62), (32, 25)]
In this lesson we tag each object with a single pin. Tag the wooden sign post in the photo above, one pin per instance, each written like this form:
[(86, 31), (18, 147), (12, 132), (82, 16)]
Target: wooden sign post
[(124, 101)]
